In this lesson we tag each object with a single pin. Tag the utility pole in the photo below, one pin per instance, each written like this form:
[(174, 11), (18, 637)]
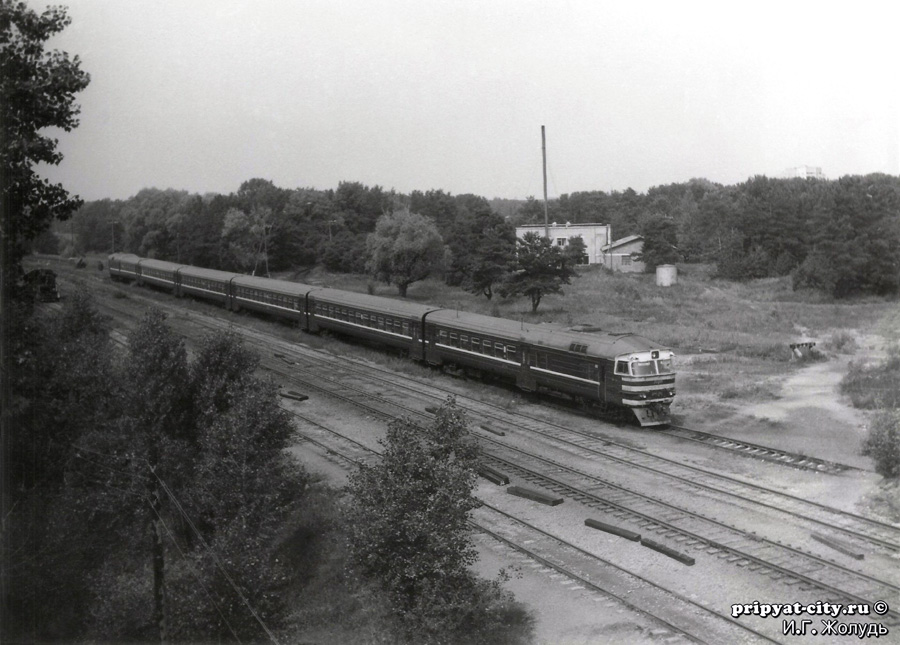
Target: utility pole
[(159, 583), (544, 151)]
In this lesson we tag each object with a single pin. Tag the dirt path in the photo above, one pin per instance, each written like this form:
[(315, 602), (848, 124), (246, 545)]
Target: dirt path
[(811, 416)]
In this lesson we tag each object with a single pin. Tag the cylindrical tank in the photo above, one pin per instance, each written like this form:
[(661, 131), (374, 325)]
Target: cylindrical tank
[(666, 275)]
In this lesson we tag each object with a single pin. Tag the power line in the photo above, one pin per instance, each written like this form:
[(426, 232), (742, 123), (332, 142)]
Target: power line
[(215, 558), (199, 574)]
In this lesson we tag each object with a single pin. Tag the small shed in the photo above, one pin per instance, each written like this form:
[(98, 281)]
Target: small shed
[(622, 254)]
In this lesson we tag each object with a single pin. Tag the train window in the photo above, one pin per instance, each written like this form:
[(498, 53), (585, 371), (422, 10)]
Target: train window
[(464, 342), (380, 322), (665, 366), (621, 367), (476, 344), (405, 329), (454, 341), (499, 350), (643, 368), (511, 350), (442, 336)]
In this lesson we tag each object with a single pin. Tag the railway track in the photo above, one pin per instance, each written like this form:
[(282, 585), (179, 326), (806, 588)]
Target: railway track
[(857, 527), (813, 573), (756, 451), (860, 589), (680, 618)]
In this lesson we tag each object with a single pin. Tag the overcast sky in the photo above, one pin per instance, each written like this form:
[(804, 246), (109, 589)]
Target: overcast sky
[(201, 95)]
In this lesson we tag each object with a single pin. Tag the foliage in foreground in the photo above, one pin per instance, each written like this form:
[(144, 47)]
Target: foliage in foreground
[(411, 535), (119, 456), (878, 388)]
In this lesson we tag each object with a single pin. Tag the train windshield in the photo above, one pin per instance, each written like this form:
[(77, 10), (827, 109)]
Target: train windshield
[(643, 368), (665, 366)]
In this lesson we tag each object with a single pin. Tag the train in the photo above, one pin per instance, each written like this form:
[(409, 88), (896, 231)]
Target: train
[(604, 371)]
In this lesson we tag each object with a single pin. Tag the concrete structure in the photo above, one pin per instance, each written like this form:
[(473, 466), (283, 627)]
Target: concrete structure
[(666, 275), (621, 254), (595, 236), (804, 172)]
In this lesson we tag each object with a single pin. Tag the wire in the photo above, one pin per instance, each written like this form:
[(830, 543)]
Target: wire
[(215, 558), (199, 575), (190, 522)]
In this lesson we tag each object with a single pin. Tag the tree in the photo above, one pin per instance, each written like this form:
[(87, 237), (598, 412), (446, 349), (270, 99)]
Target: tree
[(660, 242), (489, 262), (540, 268), (856, 245), (247, 237), (405, 248), (482, 246), (411, 532), (37, 91)]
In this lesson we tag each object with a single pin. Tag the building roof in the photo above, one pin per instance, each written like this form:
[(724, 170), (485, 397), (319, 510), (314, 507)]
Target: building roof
[(558, 225), (621, 242)]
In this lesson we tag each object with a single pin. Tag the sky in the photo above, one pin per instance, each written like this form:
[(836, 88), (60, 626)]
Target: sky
[(201, 95)]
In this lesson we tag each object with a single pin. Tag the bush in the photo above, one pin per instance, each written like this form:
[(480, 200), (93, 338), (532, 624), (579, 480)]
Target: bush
[(883, 443), (842, 341), (875, 387)]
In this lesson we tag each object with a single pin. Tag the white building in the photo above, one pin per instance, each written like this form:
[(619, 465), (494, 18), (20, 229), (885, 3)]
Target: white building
[(595, 236), (804, 172)]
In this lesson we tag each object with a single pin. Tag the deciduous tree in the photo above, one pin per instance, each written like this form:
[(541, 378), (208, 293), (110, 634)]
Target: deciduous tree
[(37, 91), (405, 248), (411, 532), (540, 268)]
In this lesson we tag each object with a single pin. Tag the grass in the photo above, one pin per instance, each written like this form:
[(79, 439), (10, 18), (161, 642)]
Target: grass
[(756, 319)]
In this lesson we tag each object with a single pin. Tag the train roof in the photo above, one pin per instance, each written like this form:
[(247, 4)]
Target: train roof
[(386, 305), (160, 264), (124, 256), (605, 344), (271, 284), (212, 274)]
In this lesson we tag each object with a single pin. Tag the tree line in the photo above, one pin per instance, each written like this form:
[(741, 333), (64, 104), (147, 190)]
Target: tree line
[(840, 236)]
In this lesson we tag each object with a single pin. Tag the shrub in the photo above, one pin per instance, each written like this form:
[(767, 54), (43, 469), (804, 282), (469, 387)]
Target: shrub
[(882, 443), (842, 341), (877, 386)]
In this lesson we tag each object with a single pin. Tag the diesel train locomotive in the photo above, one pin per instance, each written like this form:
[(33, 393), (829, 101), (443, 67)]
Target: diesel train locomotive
[(603, 370)]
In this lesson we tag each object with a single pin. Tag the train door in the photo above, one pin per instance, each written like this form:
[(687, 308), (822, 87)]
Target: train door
[(597, 374), (416, 351), (525, 377)]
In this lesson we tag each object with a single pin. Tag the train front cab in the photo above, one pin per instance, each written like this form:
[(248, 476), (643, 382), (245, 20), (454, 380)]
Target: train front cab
[(646, 381)]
